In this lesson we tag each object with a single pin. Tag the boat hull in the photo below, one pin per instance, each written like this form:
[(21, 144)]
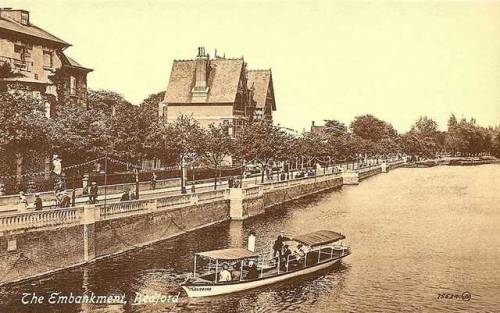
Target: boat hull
[(197, 290)]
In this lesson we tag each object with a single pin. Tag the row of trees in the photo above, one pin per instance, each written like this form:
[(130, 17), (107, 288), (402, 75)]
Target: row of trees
[(462, 137), (111, 125)]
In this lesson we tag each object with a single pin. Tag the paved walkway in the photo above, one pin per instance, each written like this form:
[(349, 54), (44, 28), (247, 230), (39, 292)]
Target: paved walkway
[(204, 185)]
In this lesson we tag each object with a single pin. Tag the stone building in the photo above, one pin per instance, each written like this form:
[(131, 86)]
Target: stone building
[(218, 90), (33, 60), (317, 129)]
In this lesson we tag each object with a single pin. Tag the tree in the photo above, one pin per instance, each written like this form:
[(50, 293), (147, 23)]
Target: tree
[(371, 128), (107, 101), (148, 122), (312, 146), (335, 128), (452, 121), (496, 141), (423, 138), (468, 138), (78, 134), (171, 142), (218, 146), (22, 126), (262, 142)]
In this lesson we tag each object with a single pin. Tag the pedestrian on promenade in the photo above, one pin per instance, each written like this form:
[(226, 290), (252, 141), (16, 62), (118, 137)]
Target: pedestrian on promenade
[(23, 202), (133, 196), (58, 198), (38, 202), (93, 193), (193, 187), (65, 200), (153, 180), (125, 195)]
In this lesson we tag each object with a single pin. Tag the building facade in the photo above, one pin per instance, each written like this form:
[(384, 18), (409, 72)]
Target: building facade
[(31, 59), (217, 91)]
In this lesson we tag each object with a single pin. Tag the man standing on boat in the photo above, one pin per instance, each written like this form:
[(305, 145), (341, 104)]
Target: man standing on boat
[(278, 245)]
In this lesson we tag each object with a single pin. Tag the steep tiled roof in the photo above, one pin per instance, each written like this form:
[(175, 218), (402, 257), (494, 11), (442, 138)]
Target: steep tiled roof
[(224, 76), (30, 30), (259, 79), (69, 61)]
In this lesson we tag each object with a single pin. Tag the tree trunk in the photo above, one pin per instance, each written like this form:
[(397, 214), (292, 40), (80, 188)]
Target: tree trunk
[(263, 173), (19, 169), (47, 167), (215, 178)]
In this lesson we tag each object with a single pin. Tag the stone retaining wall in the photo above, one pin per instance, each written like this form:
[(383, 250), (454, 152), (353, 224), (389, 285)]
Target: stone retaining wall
[(41, 242)]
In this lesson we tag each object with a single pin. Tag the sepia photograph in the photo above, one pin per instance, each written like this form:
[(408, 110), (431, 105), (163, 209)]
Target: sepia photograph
[(249, 156)]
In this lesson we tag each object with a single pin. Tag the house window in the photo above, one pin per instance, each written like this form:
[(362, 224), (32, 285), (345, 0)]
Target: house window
[(72, 85), (25, 18), (19, 50), (47, 59)]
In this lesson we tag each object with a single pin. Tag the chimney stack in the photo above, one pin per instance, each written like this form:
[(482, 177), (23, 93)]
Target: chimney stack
[(18, 16), (202, 67)]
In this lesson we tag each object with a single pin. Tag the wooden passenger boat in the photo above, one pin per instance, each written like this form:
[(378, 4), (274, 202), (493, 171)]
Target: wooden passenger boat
[(256, 270)]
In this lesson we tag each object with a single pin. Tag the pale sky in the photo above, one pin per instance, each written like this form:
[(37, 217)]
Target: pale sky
[(330, 59)]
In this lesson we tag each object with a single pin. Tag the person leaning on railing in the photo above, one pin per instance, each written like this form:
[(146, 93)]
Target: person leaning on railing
[(38, 202), (93, 193)]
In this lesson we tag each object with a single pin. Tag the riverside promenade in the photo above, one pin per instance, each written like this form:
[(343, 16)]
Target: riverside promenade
[(41, 242)]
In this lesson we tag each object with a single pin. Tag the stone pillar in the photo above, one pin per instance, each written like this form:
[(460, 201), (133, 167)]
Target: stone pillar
[(384, 167), (350, 177), (85, 183), (90, 215), (236, 211)]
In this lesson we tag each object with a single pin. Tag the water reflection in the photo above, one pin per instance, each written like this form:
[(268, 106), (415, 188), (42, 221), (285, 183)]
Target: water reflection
[(414, 233)]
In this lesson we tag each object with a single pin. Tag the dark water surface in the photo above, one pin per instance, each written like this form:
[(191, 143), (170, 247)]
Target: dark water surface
[(414, 234)]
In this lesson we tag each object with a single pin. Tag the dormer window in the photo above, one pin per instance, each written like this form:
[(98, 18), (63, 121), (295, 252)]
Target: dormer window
[(25, 18)]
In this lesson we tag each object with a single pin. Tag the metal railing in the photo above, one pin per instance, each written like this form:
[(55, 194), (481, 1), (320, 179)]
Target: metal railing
[(17, 64)]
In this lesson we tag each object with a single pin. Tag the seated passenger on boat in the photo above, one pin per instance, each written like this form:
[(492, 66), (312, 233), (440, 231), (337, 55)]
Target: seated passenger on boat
[(235, 271), (225, 275), (299, 252), (253, 273), (286, 254)]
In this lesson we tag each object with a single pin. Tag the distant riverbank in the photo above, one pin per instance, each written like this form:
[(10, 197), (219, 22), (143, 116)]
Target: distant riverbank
[(462, 161)]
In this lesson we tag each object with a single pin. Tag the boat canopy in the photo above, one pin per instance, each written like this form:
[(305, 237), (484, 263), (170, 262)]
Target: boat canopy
[(318, 238), (228, 254)]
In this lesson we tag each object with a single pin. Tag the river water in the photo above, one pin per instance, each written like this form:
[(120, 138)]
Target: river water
[(414, 234)]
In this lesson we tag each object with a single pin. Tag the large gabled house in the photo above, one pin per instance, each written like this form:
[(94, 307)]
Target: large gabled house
[(33, 60), (217, 91)]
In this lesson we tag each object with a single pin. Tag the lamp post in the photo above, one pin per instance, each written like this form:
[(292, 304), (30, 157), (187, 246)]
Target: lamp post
[(183, 174)]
